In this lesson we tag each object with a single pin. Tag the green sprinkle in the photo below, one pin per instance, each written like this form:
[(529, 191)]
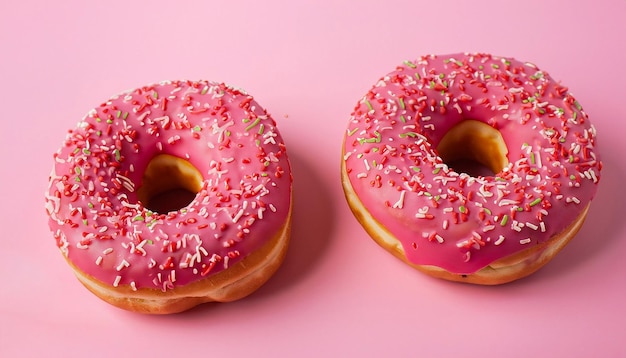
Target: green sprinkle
[(410, 64), (432, 84), (257, 142), (572, 177), (90, 205), (264, 174), (125, 115), (402, 103), (575, 115), (197, 128), (402, 118), (76, 151), (571, 158), (98, 133), (351, 133), (415, 168), (98, 119), (85, 222), (458, 63), (436, 171), (138, 218), (532, 158), (428, 194), (505, 218), (519, 209), (437, 197), (535, 202), (578, 106), (462, 209), (267, 163), (246, 120), (417, 75), (408, 134), (86, 151), (118, 114), (494, 66), (227, 133), (205, 90), (261, 129), (150, 242), (76, 179), (109, 121), (376, 139), (487, 211), (369, 105), (155, 95), (77, 170), (375, 149), (117, 154)]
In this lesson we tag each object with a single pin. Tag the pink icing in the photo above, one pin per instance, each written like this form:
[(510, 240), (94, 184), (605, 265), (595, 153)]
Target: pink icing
[(453, 220), (101, 227)]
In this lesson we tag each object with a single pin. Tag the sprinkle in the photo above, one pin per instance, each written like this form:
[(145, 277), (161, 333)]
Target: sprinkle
[(525, 241), (504, 220), (256, 121)]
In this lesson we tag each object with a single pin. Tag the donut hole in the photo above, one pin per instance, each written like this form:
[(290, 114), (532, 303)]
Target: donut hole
[(475, 148), (169, 184)]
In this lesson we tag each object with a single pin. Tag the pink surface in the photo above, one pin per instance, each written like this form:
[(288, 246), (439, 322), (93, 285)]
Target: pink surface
[(308, 64)]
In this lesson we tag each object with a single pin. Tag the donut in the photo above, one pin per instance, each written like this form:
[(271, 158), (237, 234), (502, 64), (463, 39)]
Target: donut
[(171, 195), (470, 167)]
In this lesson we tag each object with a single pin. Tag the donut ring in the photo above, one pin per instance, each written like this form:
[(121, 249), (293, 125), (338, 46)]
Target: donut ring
[(134, 247), (408, 133)]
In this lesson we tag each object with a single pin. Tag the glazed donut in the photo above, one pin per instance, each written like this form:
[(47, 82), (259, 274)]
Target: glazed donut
[(527, 152), (172, 195)]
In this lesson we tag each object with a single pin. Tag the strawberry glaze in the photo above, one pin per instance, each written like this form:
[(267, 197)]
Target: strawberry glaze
[(453, 220), (100, 225)]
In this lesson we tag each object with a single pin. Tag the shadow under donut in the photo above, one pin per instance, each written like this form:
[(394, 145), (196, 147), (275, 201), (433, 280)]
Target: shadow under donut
[(312, 223), (604, 223)]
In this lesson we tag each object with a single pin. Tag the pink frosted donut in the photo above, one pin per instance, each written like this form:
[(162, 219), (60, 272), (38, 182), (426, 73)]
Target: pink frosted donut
[(526, 143), (115, 207)]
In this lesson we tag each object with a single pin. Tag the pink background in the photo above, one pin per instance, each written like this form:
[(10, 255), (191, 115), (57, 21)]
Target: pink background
[(338, 294)]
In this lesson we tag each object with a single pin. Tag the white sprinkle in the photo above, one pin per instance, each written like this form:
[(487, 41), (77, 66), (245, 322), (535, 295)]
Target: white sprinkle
[(117, 281), (238, 216), (439, 239), (400, 203), (108, 251), (133, 285), (525, 241), (122, 265), (532, 226), (500, 240), (488, 228), (99, 260)]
